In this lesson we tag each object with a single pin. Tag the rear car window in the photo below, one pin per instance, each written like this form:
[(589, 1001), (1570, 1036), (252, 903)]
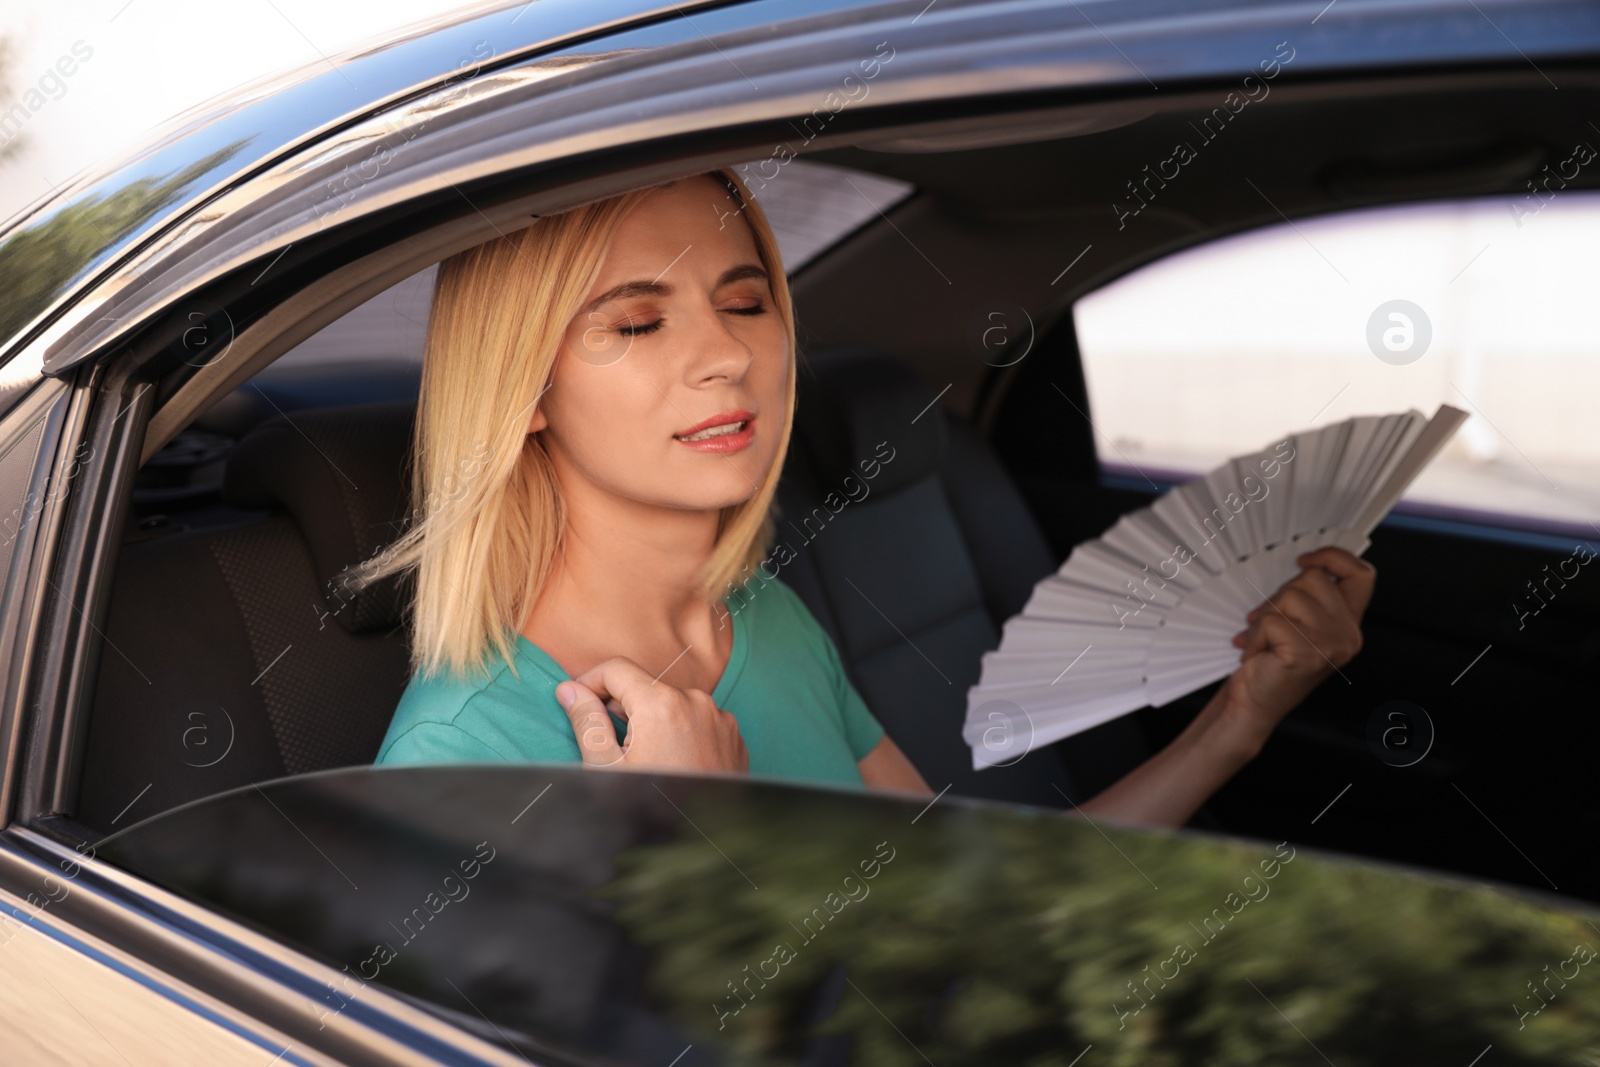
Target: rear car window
[(811, 206), (1484, 304)]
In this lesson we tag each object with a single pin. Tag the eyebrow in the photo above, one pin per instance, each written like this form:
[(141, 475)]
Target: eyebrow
[(655, 288)]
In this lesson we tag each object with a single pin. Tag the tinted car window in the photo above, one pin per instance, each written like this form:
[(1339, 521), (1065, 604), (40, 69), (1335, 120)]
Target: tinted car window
[(813, 205), (602, 916)]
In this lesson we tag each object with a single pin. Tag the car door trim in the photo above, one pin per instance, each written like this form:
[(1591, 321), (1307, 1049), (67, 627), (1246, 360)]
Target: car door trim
[(178, 947)]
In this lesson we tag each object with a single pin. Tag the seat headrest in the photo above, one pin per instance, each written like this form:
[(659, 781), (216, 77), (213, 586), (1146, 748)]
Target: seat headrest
[(856, 408), (342, 473)]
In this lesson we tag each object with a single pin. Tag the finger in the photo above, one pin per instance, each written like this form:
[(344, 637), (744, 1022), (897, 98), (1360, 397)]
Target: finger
[(618, 677), (1322, 588), (597, 737), (1272, 633), (1297, 605), (1250, 640), (1271, 603), (1312, 599), (1338, 560), (1243, 639), (1356, 576), (1297, 649)]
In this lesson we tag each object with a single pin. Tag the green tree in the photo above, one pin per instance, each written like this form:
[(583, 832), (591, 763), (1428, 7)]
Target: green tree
[(993, 939)]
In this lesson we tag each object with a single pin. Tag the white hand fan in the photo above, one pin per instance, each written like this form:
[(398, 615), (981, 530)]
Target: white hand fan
[(1146, 612)]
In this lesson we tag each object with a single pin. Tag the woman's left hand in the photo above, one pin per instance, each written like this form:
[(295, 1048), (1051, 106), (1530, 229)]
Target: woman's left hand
[(1300, 636)]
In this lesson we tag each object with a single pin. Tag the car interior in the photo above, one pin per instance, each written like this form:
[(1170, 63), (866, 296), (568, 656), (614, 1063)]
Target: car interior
[(227, 642)]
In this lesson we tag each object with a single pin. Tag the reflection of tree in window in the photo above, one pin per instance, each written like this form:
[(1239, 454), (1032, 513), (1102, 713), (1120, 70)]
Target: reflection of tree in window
[(615, 916), (38, 261), (1020, 957)]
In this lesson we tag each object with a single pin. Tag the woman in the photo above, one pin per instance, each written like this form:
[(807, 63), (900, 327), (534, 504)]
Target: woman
[(606, 403)]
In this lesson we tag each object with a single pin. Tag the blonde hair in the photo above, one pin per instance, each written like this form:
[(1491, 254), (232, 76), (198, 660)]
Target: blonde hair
[(489, 530)]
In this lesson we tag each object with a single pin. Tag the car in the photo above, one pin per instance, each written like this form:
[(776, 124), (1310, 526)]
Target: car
[(1063, 255)]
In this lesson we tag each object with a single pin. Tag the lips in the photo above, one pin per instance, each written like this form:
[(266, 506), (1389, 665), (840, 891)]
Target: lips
[(727, 432)]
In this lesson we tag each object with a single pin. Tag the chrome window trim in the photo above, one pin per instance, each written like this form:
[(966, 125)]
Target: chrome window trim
[(178, 947), (89, 954), (275, 116), (63, 410), (312, 308), (561, 106)]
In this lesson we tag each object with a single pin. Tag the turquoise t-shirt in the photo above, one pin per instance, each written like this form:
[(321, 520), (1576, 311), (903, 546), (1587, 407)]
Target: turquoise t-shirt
[(798, 713)]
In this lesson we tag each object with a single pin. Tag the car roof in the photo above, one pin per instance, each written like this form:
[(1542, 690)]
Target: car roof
[(200, 154)]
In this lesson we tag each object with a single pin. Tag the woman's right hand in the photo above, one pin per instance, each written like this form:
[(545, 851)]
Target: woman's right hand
[(668, 728)]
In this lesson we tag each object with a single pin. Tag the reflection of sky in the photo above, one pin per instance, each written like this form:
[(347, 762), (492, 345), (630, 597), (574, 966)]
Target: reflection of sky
[(156, 58), (230, 134)]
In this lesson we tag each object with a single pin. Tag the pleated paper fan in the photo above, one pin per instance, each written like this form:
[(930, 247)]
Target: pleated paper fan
[(1146, 612)]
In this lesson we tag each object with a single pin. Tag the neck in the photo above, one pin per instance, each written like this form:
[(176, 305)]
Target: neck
[(628, 572)]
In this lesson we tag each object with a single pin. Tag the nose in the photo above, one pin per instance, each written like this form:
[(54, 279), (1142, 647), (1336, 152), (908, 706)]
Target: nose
[(718, 354)]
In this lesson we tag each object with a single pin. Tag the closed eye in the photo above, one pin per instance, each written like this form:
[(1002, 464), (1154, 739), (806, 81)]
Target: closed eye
[(645, 329)]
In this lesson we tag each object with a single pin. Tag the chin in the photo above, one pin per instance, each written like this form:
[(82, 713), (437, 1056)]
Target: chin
[(720, 484), (717, 501), (724, 493)]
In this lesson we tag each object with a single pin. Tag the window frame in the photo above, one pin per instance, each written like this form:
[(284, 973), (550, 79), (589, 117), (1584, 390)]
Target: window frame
[(119, 408), (314, 274)]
